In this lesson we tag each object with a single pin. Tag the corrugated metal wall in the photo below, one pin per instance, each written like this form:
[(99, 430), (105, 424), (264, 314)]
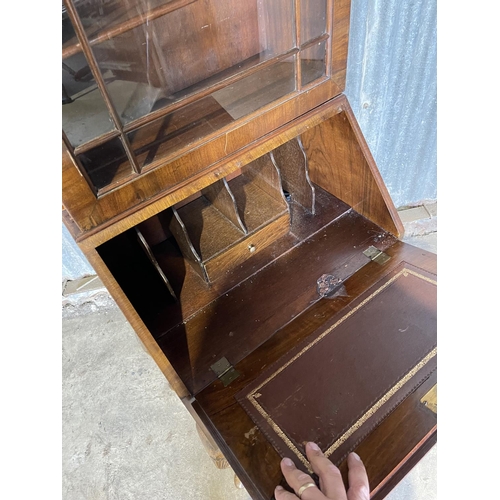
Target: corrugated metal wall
[(391, 85), (74, 263)]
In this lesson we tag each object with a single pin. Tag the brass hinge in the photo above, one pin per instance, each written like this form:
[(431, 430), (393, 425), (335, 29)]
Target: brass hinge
[(377, 255), (225, 371), (430, 399)]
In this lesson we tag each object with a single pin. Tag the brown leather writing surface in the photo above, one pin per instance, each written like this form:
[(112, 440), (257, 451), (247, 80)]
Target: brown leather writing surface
[(340, 383)]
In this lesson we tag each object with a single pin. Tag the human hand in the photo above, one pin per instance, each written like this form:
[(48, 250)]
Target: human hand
[(331, 486)]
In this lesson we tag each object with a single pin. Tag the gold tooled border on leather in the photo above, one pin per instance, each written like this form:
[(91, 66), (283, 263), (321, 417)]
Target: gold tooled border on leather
[(254, 394)]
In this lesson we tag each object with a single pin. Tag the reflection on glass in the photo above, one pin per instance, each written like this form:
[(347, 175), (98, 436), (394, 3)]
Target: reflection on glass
[(106, 164), (189, 49), (226, 58), (312, 62), (84, 113), (259, 89), (101, 18), (312, 19), (192, 122), (177, 129)]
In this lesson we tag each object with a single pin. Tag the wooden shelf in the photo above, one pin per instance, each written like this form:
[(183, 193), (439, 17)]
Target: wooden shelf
[(249, 314), (232, 221)]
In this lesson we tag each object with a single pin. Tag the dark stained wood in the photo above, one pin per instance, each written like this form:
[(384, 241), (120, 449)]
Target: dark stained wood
[(96, 142), (259, 89), (277, 20), (340, 162), (315, 41), (189, 173), (298, 42), (291, 160), (196, 92), (176, 50), (221, 197), (107, 164), (183, 239), (248, 248), (258, 193), (136, 322), (250, 313), (248, 449), (216, 397), (210, 231), (155, 229), (193, 292), (423, 447), (147, 249), (228, 25), (88, 213), (394, 447)]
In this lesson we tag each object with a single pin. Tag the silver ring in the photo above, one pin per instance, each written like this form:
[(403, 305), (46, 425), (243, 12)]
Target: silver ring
[(304, 487)]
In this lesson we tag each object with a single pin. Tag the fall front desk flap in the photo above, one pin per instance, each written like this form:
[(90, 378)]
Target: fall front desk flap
[(340, 383)]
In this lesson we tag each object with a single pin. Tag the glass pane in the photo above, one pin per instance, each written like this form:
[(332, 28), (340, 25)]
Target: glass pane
[(312, 19), (192, 122), (312, 62), (106, 164), (84, 113), (258, 89), (100, 16), (159, 61)]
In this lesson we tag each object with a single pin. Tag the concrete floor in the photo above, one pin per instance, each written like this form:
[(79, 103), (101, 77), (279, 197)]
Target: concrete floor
[(126, 435)]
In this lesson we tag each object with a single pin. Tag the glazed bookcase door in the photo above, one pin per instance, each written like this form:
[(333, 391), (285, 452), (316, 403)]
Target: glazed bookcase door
[(146, 81)]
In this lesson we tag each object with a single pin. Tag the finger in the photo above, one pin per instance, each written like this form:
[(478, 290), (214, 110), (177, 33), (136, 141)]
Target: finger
[(296, 479), (330, 478), (281, 494), (359, 488)]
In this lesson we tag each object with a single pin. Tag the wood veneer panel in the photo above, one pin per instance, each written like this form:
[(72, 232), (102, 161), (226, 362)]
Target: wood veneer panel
[(340, 41), (258, 193), (340, 162), (209, 231), (222, 242), (220, 265), (191, 169), (291, 159), (404, 434), (222, 198)]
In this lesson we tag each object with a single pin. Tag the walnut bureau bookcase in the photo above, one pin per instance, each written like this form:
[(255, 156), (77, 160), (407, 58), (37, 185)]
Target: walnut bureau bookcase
[(215, 177)]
